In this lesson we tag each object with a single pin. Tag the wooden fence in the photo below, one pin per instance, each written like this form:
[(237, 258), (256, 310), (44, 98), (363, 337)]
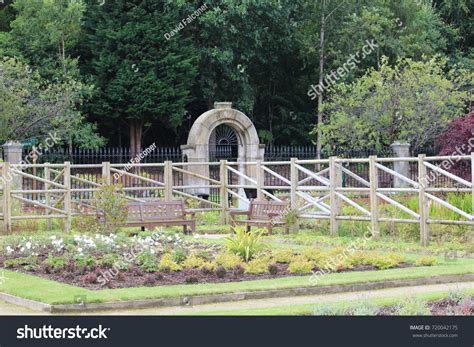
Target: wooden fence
[(318, 189)]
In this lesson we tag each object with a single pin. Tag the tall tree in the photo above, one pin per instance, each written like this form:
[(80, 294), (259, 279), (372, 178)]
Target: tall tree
[(142, 78)]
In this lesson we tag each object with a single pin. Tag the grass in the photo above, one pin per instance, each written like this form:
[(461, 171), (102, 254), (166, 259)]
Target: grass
[(317, 238), (51, 292), (308, 309)]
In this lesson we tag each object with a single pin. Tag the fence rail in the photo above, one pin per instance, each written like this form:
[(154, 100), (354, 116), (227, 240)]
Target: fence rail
[(318, 189)]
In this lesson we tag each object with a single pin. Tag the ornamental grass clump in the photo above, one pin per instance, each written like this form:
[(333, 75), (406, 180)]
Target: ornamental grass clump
[(245, 243)]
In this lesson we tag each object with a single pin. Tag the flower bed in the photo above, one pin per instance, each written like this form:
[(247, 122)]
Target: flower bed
[(98, 261)]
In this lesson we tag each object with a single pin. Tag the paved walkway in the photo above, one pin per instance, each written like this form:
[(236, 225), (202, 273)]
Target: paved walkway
[(8, 309)]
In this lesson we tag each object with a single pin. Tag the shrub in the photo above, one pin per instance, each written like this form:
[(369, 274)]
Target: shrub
[(179, 255), (329, 309), (282, 256), (362, 308), (426, 261), (55, 263), (108, 260), (245, 244), (273, 269), (228, 261), (192, 277), (238, 270), (206, 255), (257, 265), (109, 201), (90, 278), (456, 295), (385, 262), (220, 271), (206, 270), (300, 264), (193, 262), (22, 261), (314, 254), (414, 307), (167, 263), (84, 261)]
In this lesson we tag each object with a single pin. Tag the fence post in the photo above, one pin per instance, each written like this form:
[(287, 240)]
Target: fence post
[(294, 182), (224, 195), (106, 178), (260, 180), (374, 206), (7, 206), (168, 180), (67, 196), (47, 195), (335, 177), (422, 201)]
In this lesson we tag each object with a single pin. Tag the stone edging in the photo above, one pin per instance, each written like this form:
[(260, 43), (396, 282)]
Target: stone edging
[(229, 297)]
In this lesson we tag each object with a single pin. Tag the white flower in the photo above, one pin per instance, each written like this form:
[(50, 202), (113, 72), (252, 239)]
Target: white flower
[(79, 250), (196, 236), (9, 249), (28, 245)]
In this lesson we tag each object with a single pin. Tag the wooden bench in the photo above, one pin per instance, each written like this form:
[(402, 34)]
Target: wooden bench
[(154, 213), (262, 213)]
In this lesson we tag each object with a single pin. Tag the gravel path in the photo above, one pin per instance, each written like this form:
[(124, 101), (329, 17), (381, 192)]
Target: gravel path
[(8, 309)]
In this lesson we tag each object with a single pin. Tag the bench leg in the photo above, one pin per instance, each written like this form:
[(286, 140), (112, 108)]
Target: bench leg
[(248, 228), (142, 228), (193, 227), (270, 228), (185, 230)]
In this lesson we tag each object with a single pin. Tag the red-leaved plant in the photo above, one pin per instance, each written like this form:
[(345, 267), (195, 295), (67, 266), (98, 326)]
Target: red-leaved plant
[(459, 140)]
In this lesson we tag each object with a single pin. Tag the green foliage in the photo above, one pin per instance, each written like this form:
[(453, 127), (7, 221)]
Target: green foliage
[(148, 261), (300, 264), (110, 203), (283, 256), (457, 295), (408, 99), (414, 306), (193, 262), (362, 308), (83, 261), (228, 261), (141, 78), (257, 265), (245, 244), (179, 255), (167, 263), (29, 262), (328, 309), (108, 260), (55, 262), (426, 261)]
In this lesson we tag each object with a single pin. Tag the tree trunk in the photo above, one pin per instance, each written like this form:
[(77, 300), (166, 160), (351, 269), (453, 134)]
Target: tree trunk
[(136, 130), (321, 79)]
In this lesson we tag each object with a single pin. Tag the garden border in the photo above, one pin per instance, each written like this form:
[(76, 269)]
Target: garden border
[(230, 297)]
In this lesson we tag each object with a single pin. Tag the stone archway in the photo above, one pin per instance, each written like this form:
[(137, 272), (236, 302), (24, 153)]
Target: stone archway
[(200, 137)]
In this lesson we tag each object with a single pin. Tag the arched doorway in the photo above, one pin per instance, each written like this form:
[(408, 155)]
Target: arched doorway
[(222, 133)]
